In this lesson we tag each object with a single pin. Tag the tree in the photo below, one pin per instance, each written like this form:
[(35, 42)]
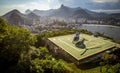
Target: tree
[(108, 61), (50, 66), (115, 68), (15, 42), (19, 55), (43, 62), (61, 67), (3, 29)]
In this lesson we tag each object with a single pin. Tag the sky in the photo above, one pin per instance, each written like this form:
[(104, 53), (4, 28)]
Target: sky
[(112, 6)]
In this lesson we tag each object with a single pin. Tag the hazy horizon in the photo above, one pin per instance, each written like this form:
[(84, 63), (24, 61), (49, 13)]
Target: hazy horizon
[(108, 6)]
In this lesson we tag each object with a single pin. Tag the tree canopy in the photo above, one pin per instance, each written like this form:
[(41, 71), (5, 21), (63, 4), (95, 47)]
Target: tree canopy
[(18, 53)]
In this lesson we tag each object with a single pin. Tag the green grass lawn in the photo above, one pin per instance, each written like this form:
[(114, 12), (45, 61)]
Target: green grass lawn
[(93, 44)]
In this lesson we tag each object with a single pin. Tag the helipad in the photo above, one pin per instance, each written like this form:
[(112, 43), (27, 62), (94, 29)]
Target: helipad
[(93, 45)]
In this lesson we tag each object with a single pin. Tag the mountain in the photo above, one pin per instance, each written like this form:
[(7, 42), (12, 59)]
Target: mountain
[(96, 15), (62, 13), (67, 12), (43, 12), (33, 16), (17, 18), (28, 11), (14, 17), (81, 13)]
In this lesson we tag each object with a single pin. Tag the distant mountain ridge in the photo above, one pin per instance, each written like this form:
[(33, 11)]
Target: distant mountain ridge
[(18, 18), (66, 12)]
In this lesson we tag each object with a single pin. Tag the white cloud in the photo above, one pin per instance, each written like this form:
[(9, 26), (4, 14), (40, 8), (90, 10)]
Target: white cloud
[(103, 1), (67, 0), (49, 0), (35, 5)]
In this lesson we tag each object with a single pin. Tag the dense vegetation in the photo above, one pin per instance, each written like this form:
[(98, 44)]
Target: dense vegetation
[(21, 52), (19, 55), (110, 63)]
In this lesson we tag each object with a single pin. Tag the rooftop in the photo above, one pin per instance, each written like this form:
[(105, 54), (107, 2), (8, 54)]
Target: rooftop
[(93, 45)]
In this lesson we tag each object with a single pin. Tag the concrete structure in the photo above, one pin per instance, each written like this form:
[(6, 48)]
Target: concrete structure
[(59, 49)]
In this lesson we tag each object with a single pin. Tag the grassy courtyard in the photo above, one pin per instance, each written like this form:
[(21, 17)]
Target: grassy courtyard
[(93, 45)]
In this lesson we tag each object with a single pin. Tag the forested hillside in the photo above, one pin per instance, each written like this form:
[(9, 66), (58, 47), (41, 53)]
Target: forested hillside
[(19, 55)]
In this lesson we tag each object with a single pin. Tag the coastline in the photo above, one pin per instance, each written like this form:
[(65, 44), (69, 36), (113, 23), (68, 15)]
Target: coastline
[(101, 25)]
